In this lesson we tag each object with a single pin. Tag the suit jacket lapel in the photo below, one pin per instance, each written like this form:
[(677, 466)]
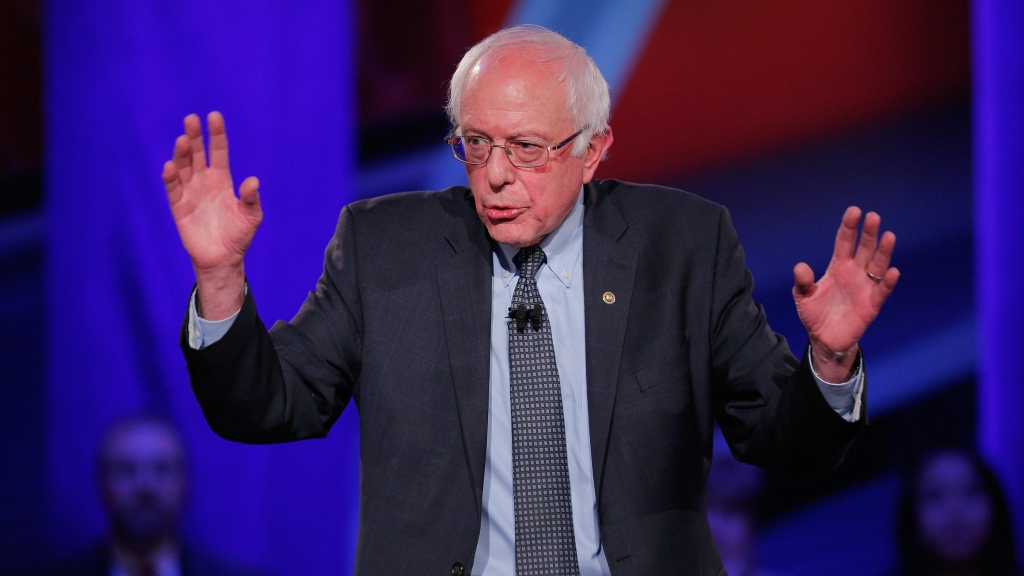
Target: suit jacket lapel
[(609, 268), (464, 282)]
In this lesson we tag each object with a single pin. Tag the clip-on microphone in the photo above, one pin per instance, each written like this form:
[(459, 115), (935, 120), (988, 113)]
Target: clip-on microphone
[(521, 315)]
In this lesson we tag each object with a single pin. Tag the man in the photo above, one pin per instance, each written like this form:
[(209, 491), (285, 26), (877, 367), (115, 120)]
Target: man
[(536, 359), (143, 481)]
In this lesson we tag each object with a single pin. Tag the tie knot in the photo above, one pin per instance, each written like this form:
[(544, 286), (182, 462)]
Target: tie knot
[(528, 260)]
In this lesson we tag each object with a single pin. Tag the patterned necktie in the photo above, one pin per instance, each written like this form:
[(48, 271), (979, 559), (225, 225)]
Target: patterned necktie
[(545, 540)]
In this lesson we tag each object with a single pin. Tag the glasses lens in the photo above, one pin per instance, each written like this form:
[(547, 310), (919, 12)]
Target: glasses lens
[(472, 150), (528, 154), (458, 149)]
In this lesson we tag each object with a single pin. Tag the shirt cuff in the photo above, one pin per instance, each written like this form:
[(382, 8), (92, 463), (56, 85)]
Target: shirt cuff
[(202, 332), (845, 398)]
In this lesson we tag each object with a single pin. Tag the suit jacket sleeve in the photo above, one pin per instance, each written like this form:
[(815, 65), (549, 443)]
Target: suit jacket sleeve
[(293, 382), (767, 403)]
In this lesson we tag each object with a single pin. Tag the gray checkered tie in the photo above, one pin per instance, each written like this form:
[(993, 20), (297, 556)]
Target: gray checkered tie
[(545, 540)]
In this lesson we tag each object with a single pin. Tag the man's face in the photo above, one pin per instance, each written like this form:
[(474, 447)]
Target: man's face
[(143, 482), (511, 95)]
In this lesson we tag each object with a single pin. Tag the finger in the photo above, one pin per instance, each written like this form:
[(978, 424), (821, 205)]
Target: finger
[(886, 286), (803, 280), (846, 237), (183, 158), (171, 182), (892, 276), (218, 140), (880, 261), (868, 239), (194, 131), (249, 193)]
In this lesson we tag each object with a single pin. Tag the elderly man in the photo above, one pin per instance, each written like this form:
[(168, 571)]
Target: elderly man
[(536, 359)]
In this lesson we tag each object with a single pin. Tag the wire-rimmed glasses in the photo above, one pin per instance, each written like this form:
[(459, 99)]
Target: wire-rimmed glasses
[(475, 150)]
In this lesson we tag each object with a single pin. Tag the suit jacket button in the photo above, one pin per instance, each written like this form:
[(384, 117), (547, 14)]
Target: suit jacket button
[(457, 569)]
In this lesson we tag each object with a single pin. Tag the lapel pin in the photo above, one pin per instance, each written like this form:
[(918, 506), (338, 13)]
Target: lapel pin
[(608, 298)]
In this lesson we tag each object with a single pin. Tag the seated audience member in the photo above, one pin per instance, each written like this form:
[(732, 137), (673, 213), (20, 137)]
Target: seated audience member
[(733, 489), (143, 479), (954, 519)]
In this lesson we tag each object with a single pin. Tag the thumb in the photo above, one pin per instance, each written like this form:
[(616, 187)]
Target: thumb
[(803, 281), (249, 193)]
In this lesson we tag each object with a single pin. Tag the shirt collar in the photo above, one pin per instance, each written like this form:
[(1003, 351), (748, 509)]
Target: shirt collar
[(562, 248)]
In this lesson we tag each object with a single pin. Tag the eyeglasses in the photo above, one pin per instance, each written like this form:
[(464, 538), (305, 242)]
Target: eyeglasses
[(475, 150)]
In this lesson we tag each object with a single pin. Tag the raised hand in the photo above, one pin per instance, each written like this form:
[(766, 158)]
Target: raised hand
[(838, 308), (216, 227)]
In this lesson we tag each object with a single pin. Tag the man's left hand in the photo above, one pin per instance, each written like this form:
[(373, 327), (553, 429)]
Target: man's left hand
[(837, 309)]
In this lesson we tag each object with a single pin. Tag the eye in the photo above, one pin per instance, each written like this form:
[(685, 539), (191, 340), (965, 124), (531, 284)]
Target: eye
[(525, 146), (476, 141)]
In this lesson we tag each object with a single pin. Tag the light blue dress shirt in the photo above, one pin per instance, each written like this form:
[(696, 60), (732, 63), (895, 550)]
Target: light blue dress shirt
[(560, 283)]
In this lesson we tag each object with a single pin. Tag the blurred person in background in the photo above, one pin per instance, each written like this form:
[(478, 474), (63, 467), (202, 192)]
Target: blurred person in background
[(954, 520), (733, 489), (143, 481)]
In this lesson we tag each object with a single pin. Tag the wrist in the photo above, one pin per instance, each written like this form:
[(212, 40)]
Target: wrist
[(831, 365), (220, 290)]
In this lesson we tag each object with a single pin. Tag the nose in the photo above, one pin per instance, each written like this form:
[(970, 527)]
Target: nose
[(500, 170)]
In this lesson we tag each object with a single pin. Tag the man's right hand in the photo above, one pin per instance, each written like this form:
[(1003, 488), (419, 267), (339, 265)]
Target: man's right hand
[(216, 227)]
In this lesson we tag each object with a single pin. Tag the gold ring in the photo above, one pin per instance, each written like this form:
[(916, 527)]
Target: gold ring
[(873, 277)]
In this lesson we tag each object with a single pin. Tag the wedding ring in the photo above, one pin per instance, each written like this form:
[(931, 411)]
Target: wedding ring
[(877, 279)]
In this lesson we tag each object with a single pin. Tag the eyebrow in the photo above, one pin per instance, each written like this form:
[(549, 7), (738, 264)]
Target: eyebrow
[(534, 137)]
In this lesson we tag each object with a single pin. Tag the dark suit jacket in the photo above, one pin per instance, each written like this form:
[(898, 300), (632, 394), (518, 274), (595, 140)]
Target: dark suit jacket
[(400, 323)]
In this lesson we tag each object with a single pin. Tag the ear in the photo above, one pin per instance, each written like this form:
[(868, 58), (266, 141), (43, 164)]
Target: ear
[(599, 146)]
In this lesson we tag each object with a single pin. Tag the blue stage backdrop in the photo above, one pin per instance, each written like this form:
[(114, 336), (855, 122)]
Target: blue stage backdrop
[(998, 50), (121, 75)]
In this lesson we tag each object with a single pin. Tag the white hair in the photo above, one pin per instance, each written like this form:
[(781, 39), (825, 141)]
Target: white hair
[(589, 101)]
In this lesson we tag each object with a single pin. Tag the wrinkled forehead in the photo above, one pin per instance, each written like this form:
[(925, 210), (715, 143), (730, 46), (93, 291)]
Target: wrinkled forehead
[(522, 70)]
